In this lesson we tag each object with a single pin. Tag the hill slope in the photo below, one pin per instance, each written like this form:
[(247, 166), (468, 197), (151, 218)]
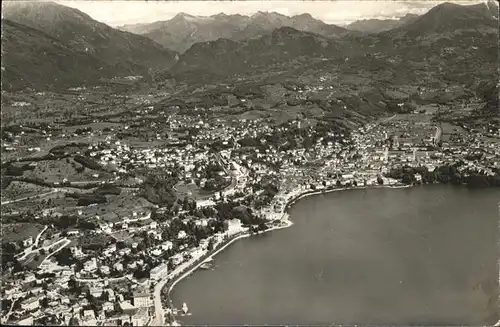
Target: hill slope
[(449, 19), (225, 57), (33, 58), (122, 52)]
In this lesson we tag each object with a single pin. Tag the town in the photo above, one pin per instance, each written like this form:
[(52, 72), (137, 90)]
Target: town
[(124, 210)]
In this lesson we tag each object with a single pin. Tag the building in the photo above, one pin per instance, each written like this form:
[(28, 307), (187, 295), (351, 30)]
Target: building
[(76, 251), (111, 295), (96, 292), (182, 234), (234, 226), (105, 270), (28, 242), (118, 266), (28, 321), (91, 265), (128, 308), (108, 307), (177, 259), (157, 272), (142, 300), (88, 314), (72, 232), (30, 304), (167, 246), (204, 243)]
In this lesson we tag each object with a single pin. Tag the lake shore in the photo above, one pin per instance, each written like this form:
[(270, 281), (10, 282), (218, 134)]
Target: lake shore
[(335, 223), (291, 198)]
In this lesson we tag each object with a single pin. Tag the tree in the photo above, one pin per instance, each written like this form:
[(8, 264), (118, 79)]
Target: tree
[(408, 179), (64, 257), (210, 244), (73, 321), (44, 302), (17, 267)]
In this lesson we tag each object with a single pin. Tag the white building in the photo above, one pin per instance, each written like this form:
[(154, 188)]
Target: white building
[(88, 314), (28, 242), (142, 300), (182, 234), (91, 265), (96, 292), (234, 227), (204, 243), (177, 259), (118, 266), (156, 252), (30, 304), (28, 321), (157, 272), (167, 246), (108, 306), (105, 270)]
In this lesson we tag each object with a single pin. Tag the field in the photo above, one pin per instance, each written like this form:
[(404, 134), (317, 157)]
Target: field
[(449, 129), (413, 128), (57, 170), (17, 190), (20, 231), (191, 190)]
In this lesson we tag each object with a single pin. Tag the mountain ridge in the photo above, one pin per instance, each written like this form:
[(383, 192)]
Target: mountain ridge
[(183, 30), (374, 26), (119, 52)]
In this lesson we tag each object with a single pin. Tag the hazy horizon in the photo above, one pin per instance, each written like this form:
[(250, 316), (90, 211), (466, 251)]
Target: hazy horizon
[(116, 13)]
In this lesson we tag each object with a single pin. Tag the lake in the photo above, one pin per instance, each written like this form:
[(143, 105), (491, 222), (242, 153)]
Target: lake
[(425, 255)]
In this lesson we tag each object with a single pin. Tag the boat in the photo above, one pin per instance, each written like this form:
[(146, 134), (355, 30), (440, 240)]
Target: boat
[(184, 308), (206, 265)]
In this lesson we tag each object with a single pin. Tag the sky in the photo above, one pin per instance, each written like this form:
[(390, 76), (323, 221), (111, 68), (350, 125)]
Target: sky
[(340, 12)]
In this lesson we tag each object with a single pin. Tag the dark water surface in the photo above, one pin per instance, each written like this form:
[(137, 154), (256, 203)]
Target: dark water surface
[(425, 255)]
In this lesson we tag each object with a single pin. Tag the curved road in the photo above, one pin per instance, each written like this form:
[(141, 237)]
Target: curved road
[(66, 243)]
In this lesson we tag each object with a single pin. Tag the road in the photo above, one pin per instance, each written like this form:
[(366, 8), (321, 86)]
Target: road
[(27, 251), (37, 196), (37, 238), (6, 318), (65, 241), (159, 319), (46, 248), (388, 119), (180, 272), (97, 280)]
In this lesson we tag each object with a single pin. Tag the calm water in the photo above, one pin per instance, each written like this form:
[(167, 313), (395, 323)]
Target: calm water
[(423, 255)]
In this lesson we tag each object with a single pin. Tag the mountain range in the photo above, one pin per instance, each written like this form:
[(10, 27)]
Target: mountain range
[(472, 30), (183, 30), (283, 45), (47, 44)]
